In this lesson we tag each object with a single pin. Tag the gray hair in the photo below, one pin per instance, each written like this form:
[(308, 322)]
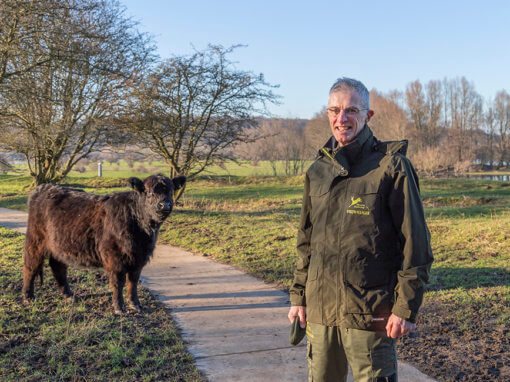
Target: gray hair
[(344, 83)]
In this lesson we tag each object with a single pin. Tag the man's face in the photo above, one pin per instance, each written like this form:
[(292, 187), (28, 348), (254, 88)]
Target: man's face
[(348, 123)]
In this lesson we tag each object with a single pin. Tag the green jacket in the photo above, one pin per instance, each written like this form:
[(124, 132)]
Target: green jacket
[(363, 244)]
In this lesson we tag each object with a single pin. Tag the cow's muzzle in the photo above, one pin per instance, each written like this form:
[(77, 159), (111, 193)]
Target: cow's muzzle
[(165, 207)]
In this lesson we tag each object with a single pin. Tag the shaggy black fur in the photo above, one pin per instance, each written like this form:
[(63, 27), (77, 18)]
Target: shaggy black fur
[(117, 232)]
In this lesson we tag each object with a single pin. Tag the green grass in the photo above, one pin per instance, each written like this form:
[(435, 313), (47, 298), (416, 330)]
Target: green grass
[(54, 339)]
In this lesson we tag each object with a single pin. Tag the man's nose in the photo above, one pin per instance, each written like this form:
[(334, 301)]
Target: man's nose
[(342, 116)]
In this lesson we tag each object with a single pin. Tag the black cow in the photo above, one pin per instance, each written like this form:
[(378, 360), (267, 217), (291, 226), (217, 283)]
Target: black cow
[(117, 232)]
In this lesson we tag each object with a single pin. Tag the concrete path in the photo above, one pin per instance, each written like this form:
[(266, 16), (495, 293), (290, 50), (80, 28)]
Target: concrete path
[(235, 325), (13, 219)]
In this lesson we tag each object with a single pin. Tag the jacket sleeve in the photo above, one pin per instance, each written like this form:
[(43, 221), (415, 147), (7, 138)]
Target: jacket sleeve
[(409, 219), (297, 289)]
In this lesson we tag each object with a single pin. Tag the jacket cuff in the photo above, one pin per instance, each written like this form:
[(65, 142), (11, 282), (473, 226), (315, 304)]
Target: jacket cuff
[(404, 313), (297, 299)]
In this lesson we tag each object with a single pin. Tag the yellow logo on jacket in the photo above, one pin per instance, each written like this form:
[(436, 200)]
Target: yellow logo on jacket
[(357, 207)]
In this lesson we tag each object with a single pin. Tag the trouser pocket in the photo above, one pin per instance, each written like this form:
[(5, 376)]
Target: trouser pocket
[(371, 355), (326, 358)]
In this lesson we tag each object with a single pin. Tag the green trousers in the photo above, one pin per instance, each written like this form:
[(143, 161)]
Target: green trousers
[(372, 356)]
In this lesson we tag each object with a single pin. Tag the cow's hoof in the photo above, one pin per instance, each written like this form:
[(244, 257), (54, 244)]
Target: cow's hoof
[(69, 296), (66, 292), (27, 300), (118, 311), (135, 307)]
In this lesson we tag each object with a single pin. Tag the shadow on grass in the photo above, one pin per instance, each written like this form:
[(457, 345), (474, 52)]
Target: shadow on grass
[(468, 278), (15, 203), (290, 210), (21, 179), (464, 187), (464, 212), (250, 192)]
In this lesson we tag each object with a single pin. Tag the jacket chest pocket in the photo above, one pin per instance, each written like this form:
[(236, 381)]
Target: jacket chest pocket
[(361, 218), (319, 193), (363, 205)]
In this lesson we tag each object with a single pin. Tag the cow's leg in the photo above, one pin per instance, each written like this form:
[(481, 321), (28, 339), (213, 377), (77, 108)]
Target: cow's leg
[(117, 281), (132, 289), (59, 270), (32, 266), (29, 275)]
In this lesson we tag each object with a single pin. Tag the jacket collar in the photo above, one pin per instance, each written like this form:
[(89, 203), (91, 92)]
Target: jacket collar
[(348, 154)]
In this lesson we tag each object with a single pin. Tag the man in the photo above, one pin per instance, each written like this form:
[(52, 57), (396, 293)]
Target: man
[(363, 247)]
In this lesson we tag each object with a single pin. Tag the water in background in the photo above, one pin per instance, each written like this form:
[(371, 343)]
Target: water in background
[(504, 178)]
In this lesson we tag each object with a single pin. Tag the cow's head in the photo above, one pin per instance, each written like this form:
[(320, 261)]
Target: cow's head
[(156, 194)]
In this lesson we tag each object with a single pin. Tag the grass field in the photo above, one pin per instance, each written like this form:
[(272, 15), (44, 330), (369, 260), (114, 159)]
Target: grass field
[(250, 222)]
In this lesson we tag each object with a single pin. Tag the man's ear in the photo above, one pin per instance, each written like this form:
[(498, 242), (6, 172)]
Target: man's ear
[(370, 114), (136, 184), (179, 181)]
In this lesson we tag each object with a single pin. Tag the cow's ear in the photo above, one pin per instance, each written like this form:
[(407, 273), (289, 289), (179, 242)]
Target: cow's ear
[(136, 184), (179, 181)]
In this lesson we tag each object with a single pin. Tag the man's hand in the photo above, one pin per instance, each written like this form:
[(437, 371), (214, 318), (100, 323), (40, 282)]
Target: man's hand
[(298, 311), (397, 327)]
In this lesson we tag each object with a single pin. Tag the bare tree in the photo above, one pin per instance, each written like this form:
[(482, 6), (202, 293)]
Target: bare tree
[(502, 117), (434, 106), (389, 121), (264, 143), (21, 23), (417, 106), (316, 133), (464, 107), (57, 112), (490, 129), (292, 146), (191, 109)]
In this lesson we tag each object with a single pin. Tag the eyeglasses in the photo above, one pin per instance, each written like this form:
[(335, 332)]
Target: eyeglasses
[(350, 111)]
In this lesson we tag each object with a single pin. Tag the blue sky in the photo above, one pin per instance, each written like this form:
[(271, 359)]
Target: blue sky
[(305, 45)]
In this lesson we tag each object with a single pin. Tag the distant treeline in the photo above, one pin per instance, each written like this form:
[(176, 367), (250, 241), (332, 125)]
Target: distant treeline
[(450, 128)]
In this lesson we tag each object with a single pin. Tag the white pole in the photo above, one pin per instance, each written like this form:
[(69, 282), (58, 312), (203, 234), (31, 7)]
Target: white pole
[(100, 169)]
